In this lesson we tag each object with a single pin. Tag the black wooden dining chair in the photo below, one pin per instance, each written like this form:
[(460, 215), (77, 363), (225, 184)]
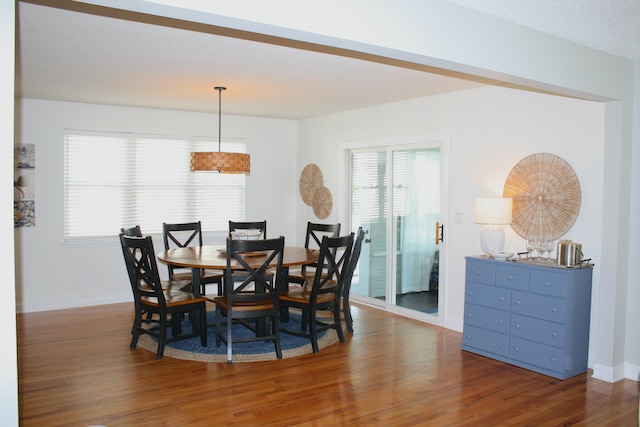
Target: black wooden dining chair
[(186, 234), (168, 303), (249, 295), (134, 231), (325, 292), (346, 289), (246, 225), (313, 240)]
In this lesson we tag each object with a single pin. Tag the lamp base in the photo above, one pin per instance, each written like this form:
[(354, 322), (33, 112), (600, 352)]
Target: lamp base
[(492, 239)]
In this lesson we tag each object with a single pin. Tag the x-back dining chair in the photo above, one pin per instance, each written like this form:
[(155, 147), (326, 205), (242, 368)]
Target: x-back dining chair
[(353, 262), (150, 297), (180, 235), (248, 225), (134, 231), (250, 295), (313, 240), (325, 292)]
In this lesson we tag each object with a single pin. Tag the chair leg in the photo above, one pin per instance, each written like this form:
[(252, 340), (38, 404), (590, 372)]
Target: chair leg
[(229, 340), (163, 336), (203, 325), (313, 333), (336, 320), (276, 333), (135, 330), (348, 320), (218, 326)]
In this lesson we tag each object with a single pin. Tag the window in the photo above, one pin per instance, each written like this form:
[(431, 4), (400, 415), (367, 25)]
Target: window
[(115, 180)]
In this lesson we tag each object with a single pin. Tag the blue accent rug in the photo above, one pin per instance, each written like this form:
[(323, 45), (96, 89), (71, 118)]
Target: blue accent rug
[(190, 349)]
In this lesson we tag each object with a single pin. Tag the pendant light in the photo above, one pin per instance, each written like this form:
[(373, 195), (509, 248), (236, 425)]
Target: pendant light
[(218, 161)]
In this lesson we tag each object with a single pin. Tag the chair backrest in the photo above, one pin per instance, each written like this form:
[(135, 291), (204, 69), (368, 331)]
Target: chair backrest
[(140, 260), (244, 225), (315, 233), (135, 231), (333, 261), (180, 236), (253, 282), (353, 262)]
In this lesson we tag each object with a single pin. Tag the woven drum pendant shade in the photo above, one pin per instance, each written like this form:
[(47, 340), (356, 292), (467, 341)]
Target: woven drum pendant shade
[(546, 197), (220, 162)]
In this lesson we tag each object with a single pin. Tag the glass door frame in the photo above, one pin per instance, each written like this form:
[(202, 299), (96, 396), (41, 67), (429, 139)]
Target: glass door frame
[(344, 212)]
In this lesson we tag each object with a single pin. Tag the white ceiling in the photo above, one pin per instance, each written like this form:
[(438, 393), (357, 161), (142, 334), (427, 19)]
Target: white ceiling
[(73, 56), (609, 25)]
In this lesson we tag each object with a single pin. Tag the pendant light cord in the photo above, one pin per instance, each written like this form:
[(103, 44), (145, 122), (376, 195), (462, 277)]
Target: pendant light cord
[(220, 89)]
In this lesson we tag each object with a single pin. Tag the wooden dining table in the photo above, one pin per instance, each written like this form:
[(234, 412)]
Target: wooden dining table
[(198, 258)]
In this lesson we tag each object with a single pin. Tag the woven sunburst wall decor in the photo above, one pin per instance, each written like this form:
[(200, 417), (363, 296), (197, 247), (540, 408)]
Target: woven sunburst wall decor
[(546, 197), (313, 191), (310, 180)]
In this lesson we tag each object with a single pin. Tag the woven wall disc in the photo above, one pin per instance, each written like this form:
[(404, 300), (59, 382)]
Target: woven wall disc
[(546, 197), (310, 180), (322, 202)]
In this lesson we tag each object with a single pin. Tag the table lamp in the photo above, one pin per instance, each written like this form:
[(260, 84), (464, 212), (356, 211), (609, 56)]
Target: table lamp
[(493, 213)]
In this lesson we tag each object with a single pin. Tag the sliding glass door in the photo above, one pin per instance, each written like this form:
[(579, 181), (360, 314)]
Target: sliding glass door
[(395, 196)]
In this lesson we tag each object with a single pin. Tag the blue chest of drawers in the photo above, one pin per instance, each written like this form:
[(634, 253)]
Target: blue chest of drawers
[(532, 316)]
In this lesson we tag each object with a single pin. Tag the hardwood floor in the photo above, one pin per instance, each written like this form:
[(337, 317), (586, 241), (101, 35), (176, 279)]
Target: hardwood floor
[(76, 369)]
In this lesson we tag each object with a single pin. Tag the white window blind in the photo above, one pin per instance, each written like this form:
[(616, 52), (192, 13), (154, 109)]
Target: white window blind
[(369, 182), (115, 180)]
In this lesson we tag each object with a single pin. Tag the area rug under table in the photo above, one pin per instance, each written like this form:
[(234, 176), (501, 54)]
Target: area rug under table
[(190, 349)]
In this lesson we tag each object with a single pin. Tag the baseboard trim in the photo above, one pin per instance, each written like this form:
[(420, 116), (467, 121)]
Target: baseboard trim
[(72, 303), (617, 373)]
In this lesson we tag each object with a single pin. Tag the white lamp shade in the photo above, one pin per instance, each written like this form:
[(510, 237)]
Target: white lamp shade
[(493, 210)]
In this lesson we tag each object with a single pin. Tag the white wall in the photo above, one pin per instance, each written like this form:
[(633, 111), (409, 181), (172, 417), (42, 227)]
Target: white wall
[(490, 130), (632, 348), (8, 357), (50, 274)]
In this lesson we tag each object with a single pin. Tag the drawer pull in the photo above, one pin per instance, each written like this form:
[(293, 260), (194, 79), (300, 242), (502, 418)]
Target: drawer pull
[(469, 315), (517, 325), (500, 322), (478, 273), (553, 359), (518, 302), (554, 334), (516, 348), (501, 298), (500, 344), (510, 277), (554, 310), (547, 284)]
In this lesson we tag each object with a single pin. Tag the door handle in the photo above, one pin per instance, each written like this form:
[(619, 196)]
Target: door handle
[(439, 233)]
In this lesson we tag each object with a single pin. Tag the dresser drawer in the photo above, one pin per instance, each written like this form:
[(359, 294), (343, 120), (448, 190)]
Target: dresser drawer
[(488, 318), (483, 339), (510, 276), (542, 331), (535, 354), (488, 296), (539, 306), (553, 283), (481, 272)]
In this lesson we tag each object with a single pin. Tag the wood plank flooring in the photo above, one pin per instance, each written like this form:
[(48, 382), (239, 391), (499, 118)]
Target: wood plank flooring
[(76, 369)]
